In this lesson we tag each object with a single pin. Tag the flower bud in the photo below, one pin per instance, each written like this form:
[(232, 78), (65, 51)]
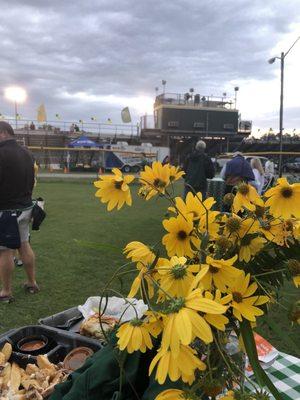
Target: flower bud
[(223, 243), (294, 267), (233, 224), (243, 188), (228, 199)]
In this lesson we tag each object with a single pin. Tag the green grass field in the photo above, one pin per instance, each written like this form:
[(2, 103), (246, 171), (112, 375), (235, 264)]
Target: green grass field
[(69, 269)]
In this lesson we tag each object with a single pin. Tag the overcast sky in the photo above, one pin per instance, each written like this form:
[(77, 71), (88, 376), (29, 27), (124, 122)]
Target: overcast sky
[(92, 58)]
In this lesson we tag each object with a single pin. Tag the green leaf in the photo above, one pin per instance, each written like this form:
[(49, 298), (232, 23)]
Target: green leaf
[(250, 346), (281, 334)]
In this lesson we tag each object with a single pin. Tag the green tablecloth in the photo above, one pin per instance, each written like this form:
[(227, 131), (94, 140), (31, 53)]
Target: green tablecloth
[(285, 374), (98, 379)]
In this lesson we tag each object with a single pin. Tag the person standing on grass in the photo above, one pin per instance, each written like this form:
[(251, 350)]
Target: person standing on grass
[(234, 172), (16, 185), (259, 173), (198, 167)]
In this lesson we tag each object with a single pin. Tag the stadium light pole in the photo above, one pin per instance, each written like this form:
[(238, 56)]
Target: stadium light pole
[(271, 61), (236, 89), (16, 95)]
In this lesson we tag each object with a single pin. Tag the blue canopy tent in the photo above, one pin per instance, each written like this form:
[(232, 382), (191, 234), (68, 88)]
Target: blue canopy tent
[(86, 158)]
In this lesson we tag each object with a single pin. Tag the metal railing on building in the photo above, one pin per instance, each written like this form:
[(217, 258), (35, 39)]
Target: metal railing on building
[(90, 128)]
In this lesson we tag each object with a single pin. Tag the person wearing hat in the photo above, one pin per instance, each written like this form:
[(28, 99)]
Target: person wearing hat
[(235, 171)]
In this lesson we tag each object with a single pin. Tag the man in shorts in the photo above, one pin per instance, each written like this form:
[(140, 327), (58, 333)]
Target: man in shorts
[(16, 185)]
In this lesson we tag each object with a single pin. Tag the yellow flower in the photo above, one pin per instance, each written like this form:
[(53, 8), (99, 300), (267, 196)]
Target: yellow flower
[(236, 227), (138, 251), (155, 179), (246, 197), (183, 322), (153, 323), (217, 272), (273, 231), (144, 191), (293, 266), (289, 230), (296, 280), (176, 277), (243, 303), (181, 365), (147, 273), (180, 236), (208, 223), (192, 205), (175, 173), (172, 394), (222, 244), (249, 246), (137, 282), (232, 226), (114, 189), (228, 396), (218, 321), (297, 229), (134, 336), (284, 199), (248, 225)]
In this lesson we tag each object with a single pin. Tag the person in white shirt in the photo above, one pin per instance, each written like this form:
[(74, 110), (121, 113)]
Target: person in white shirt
[(259, 174), (269, 168)]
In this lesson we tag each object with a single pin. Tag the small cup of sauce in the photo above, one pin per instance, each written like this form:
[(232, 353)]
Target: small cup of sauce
[(32, 344)]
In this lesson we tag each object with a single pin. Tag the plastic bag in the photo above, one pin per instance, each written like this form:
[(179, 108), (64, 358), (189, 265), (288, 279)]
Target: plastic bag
[(116, 307)]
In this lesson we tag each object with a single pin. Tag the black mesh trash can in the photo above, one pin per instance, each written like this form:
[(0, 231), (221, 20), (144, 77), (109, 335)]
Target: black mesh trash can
[(216, 189)]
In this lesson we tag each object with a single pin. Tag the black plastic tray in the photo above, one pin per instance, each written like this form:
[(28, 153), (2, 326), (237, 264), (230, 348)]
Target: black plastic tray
[(65, 320), (61, 343)]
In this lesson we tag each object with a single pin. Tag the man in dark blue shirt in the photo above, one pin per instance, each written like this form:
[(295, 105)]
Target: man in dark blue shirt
[(16, 185)]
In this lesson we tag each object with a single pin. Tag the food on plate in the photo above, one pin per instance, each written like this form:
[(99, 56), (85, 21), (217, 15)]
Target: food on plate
[(7, 350), (35, 382), (92, 326)]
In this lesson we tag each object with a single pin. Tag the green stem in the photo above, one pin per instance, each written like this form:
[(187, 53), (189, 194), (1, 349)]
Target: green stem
[(270, 272), (250, 346)]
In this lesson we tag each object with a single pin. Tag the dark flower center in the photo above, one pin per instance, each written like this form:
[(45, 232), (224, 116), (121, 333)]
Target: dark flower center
[(233, 224), (243, 189), (182, 235), (213, 270), (294, 267), (175, 305), (178, 271), (237, 297), (266, 226), (223, 243), (159, 183), (286, 192), (246, 240), (228, 199), (118, 184), (289, 225), (260, 211), (294, 316)]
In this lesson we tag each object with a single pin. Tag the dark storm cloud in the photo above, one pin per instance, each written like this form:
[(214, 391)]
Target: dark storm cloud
[(126, 47)]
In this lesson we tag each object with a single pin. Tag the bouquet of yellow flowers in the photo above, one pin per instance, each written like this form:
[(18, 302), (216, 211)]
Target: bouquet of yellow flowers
[(215, 277)]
